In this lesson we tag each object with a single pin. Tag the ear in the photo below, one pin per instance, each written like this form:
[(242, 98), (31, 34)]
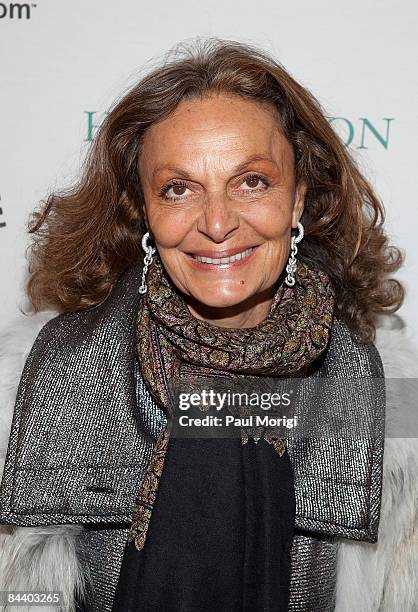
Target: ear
[(299, 203), (145, 217), (147, 225)]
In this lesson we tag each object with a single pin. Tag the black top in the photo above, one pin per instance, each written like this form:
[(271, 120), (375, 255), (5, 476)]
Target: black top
[(220, 533)]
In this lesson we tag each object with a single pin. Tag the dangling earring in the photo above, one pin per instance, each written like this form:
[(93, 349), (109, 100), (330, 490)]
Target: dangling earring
[(149, 252), (291, 265)]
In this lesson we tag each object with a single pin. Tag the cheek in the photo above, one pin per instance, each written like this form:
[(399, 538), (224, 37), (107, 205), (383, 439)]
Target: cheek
[(272, 221), (169, 225)]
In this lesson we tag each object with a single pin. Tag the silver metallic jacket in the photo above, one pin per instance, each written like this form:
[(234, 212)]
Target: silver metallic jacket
[(82, 434)]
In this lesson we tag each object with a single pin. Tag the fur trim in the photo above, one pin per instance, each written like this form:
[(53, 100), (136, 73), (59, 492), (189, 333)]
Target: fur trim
[(42, 559), (380, 577)]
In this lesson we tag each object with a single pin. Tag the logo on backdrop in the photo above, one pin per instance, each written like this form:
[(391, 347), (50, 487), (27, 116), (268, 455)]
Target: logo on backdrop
[(16, 10), (364, 132), (361, 133)]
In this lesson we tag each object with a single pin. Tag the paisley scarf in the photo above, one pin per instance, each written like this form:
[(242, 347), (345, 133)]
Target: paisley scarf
[(294, 333)]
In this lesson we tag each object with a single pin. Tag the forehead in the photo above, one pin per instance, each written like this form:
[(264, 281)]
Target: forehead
[(216, 126)]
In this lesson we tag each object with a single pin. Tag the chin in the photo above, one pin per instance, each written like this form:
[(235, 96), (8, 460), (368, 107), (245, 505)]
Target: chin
[(216, 299)]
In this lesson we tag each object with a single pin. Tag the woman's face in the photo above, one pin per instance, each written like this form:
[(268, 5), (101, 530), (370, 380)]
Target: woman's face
[(218, 181)]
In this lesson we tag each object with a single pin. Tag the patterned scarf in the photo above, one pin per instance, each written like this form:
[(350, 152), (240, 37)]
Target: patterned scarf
[(295, 332)]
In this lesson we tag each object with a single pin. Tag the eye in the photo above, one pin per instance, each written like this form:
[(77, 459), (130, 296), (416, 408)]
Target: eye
[(176, 190), (255, 182)]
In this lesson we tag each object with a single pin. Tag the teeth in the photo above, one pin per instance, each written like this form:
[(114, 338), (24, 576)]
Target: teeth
[(236, 257)]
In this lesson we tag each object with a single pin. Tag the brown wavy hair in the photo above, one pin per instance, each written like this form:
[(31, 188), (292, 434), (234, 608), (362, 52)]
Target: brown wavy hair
[(84, 237)]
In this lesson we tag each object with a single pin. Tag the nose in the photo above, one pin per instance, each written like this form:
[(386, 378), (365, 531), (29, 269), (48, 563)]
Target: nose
[(218, 219)]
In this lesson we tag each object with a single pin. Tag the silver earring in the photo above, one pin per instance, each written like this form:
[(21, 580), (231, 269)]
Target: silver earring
[(291, 265), (149, 252)]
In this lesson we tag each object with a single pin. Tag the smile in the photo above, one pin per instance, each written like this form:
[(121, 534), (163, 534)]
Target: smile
[(237, 259)]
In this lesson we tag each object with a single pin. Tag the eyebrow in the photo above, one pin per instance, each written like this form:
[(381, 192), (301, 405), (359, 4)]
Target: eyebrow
[(240, 168)]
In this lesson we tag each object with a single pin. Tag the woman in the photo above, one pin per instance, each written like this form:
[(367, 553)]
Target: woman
[(265, 259)]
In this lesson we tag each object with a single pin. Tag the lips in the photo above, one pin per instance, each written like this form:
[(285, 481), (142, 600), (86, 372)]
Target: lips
[(221, 253), (212, 260), (224, 259)]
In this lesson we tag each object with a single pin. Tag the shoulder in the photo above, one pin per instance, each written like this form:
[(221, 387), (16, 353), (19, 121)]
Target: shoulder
[(16, 342), (393, 349)]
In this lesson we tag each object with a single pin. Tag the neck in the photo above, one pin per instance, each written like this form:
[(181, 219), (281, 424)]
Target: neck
[(249, 313)]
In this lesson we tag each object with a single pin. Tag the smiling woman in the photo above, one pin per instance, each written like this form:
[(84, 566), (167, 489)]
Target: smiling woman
[(265, 258), (86, 236), (220, 195)]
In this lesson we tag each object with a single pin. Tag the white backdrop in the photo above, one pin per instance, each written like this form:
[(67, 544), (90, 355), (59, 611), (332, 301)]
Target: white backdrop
[(63, 63)]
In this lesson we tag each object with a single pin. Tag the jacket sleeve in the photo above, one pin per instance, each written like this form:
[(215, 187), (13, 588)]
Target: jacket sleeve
[(32, 558), (383, 577)]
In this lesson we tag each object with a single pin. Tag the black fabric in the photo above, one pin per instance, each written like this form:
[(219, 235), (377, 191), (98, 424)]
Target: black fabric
[(220, 534)]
